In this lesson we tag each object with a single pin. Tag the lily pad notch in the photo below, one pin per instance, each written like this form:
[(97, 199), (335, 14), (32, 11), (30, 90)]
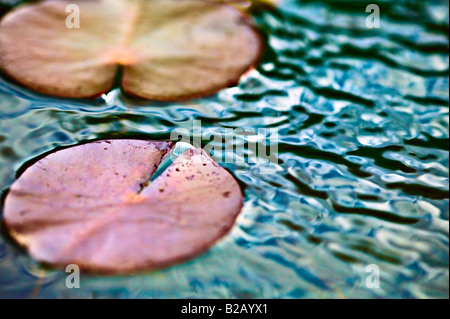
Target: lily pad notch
[(91, 205)]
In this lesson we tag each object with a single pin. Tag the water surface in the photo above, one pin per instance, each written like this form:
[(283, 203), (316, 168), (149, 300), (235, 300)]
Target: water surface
[(363, 165)]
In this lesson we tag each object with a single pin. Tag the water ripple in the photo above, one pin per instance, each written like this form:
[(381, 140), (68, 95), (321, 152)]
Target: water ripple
[(362, 175)]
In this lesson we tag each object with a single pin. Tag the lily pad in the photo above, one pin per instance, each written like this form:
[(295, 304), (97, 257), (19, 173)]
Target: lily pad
[(163, 49), (92, 205)]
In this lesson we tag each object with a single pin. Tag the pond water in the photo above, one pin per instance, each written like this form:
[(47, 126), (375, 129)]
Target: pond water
[(362, 172)]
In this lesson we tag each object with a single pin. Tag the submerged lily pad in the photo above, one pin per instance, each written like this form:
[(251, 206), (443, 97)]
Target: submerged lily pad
[(169, 49), (92, 205)]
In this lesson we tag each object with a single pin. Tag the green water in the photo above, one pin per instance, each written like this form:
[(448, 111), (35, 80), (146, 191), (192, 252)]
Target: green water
[(363, 166)]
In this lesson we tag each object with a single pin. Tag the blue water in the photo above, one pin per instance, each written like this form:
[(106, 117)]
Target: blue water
[(363, 167)]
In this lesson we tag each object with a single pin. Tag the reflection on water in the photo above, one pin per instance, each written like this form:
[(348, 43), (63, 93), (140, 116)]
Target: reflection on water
[(363, 177)]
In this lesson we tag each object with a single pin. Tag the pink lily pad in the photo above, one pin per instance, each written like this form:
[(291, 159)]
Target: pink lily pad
[(92, 205), (169, 49)]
